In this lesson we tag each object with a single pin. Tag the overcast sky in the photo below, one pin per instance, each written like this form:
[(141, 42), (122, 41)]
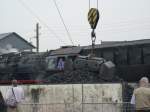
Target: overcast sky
[(119, 20)]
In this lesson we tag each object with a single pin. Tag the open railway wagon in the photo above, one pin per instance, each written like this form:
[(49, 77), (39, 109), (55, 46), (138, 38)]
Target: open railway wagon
[(42, 67), (104, 97)]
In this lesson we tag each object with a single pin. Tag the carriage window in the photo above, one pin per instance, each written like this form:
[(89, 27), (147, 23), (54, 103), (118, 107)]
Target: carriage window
[(146, 51), (121, 56), (51, 63), (134, 55)]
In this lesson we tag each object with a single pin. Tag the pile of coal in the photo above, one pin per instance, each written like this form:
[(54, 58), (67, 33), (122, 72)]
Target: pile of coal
[(78, 76)]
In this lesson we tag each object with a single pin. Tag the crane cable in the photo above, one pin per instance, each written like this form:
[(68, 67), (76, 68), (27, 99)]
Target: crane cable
[(90, 4), (93, 35)]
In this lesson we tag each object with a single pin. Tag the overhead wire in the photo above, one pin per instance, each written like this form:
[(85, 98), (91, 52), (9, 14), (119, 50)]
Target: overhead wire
[(124, 22), (112, 31), (68, 33), (117, 27), (141, 28), (112, 26), (41, 21)]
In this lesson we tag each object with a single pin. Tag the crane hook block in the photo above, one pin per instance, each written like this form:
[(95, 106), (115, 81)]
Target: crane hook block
[(93, 17)]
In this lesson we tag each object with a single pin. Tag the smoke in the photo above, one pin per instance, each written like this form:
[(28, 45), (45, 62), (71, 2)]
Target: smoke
[(8, 49)]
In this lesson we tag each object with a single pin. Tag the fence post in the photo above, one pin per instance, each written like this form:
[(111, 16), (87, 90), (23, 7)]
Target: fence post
[(82, 97)]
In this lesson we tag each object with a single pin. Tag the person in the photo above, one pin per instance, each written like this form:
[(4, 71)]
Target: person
[(19, 96), (3, 107), (141, 96), (60, 65)]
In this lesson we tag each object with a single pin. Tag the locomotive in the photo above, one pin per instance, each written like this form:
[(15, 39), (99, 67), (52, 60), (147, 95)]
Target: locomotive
[(43, 67)]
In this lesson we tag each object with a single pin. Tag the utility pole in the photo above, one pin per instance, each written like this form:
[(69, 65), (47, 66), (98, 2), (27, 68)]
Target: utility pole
[(37, 37)]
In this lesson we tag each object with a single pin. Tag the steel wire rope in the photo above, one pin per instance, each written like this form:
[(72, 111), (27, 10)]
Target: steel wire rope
[(41, 21), (68, 33), (90, 4)]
